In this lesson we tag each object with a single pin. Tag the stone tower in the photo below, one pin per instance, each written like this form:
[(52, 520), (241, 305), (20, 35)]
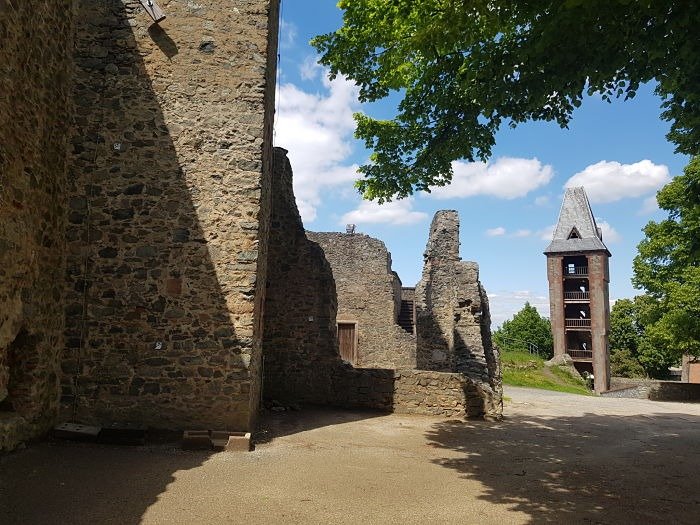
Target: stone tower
[(578, 273)]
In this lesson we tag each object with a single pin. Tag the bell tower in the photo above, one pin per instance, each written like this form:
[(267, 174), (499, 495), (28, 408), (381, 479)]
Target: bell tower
[(578, 274)]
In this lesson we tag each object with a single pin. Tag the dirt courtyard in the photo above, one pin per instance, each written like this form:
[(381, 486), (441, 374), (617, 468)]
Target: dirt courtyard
[(555, 458)]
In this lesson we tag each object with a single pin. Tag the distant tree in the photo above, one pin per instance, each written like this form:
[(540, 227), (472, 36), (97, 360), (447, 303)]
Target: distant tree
[(625, 330), (526, 330), (626, 334), (668, 268), (624, 364), (638, 344), (465, 68)]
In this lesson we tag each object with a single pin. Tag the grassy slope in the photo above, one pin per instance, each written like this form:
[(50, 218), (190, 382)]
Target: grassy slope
[(524, 369)]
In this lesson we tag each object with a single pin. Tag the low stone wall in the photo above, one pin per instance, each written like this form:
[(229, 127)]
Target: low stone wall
[(653, 389), (408, 391)]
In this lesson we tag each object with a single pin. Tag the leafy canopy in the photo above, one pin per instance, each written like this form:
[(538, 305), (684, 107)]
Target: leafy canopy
[(668, 265), (637, 346), (527, 329), (465, 67)]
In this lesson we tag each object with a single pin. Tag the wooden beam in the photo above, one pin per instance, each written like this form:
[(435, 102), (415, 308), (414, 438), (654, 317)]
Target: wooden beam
[(153, 10)]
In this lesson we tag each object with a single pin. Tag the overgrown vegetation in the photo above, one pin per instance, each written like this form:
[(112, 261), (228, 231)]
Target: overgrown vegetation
[(528, 370)]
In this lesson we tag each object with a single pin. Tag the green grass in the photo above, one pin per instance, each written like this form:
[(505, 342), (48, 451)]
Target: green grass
[(524, 369)]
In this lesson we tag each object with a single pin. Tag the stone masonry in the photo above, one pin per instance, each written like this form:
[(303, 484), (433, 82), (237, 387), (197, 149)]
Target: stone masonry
[(367, 291), (302, 361), (133, 262), (169, 212), (300, 342), (146, 277), (35, 102), (453, 323)]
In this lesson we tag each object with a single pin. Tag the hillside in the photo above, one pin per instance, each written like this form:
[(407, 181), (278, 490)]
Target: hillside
[(524, 369)]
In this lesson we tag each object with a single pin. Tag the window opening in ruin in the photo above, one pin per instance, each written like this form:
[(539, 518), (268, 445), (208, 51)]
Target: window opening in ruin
[(16, 364), (347, 341)]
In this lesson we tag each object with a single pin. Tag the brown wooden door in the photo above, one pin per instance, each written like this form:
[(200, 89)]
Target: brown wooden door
[(347, 338)]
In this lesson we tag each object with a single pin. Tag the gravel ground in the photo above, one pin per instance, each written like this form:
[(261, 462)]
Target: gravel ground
[(555, 458)]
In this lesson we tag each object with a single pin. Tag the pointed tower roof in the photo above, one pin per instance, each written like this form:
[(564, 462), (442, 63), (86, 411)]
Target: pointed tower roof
[(576, 230)]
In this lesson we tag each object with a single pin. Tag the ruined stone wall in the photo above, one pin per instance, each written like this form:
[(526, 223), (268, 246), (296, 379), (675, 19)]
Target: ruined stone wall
[(453, 323), (168, 219), (300, 335), (35, 75), (367, 292), (301, 357)]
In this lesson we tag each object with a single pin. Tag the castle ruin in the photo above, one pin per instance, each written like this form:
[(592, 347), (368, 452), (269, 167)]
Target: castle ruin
[(146, 244)]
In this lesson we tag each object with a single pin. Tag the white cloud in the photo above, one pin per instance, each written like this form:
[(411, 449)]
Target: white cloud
[(547, 232), (611, 181), (649, 206), (288, 34), (501, 231), (506, 303), (542, 200), (495, 232), (316, 129), (395, 212), (310, 68), (505, 178), (610, 234)]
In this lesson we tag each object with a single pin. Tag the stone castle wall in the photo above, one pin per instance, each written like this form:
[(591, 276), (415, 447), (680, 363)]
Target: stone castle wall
[(453, 322), (35, 76), (168, 213), (300, 335), (367, 292), (301, 355)]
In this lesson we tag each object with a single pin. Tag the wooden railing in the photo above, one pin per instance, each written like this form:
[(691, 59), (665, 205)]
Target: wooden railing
[(580, 354), (577, 295), (578, 271), (577, 323)]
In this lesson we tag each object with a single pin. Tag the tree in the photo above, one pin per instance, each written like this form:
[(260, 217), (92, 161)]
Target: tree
[(634, 350), (464, 68), (527, 329), (625, 329), (668, 268)]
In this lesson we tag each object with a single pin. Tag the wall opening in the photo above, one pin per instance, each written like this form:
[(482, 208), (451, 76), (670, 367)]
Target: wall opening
[(17, 361), (347, 340)]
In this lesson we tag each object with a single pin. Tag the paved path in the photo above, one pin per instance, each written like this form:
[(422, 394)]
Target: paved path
[(556, 458)]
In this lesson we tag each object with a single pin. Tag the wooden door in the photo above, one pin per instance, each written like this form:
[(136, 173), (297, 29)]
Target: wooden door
[(347, 339)]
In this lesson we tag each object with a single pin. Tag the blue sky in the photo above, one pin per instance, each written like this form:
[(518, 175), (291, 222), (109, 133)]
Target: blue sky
[(507, 207)]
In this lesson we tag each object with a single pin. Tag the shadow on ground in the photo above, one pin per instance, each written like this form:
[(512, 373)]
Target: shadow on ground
[(279, 424), (64, 482), (589, 469)]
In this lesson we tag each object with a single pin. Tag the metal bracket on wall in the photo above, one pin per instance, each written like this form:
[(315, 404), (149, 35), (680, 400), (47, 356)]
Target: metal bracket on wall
[(153, 10)]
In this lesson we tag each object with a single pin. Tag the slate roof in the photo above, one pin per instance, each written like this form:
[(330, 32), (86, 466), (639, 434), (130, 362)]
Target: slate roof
[(576, 213)]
